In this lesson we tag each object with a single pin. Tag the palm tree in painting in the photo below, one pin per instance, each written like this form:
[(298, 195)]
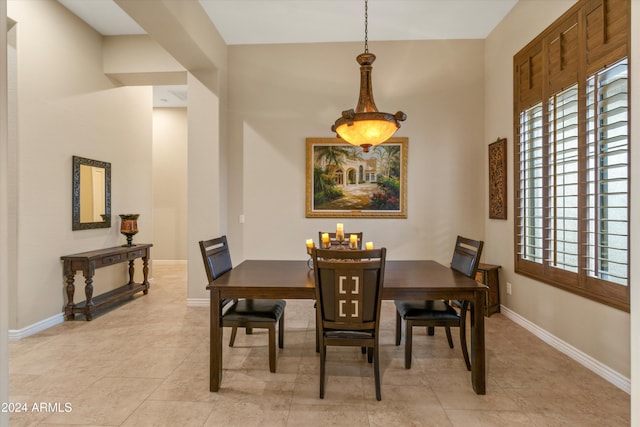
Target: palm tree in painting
[(328, 159), (330, 154), (389, 159), (387, 197), (354, 153)]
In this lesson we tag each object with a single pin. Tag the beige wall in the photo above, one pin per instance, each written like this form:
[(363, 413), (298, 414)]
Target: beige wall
[(170, 183), (281, 94), (205, 197), (595, 329), (66, 106), (139, 60), (4, 225)]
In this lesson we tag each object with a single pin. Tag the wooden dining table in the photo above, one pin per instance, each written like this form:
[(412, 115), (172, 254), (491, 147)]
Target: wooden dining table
[(403, 280)]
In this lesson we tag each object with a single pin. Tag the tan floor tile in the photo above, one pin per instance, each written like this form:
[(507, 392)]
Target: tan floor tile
[(409, 413), (462, 418), (163, 413), (465, 398), (146, 362), (109, 401), (310, 415)]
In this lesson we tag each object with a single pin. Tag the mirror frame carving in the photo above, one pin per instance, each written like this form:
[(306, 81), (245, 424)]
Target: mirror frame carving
[(75, 206)]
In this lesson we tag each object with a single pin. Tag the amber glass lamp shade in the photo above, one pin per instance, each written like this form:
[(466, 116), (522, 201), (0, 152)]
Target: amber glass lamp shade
[(366, 126), (367, 132)]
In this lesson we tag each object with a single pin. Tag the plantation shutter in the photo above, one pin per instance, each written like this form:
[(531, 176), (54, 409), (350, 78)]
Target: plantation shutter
[(571, 153), (607, 179)]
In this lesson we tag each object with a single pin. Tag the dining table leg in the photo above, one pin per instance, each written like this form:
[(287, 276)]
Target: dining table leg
[(215, 353), (478, 370)]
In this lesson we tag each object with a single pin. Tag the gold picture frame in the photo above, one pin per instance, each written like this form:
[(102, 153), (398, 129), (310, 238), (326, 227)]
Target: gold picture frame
[(498, 179), (344, 182)]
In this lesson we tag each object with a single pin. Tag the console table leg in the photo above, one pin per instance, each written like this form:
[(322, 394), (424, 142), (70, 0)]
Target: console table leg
[(145, 273), (71, 289), (131, 271), (88, 291)]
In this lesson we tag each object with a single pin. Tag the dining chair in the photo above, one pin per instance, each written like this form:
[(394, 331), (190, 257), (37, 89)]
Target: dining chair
[(349, 293), (466, 257), (244, 313), (334, 245)]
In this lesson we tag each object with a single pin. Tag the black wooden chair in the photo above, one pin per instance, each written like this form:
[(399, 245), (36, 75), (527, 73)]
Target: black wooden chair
[(349, 292), (334, 245), (466, 257), (245, 313)]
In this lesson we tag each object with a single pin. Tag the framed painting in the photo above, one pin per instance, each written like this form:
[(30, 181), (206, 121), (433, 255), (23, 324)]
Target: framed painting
[(498, 179), (343, 181)]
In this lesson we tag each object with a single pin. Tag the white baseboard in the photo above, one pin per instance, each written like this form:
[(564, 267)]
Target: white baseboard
[(18, 334), (198, 302), (615, 378)]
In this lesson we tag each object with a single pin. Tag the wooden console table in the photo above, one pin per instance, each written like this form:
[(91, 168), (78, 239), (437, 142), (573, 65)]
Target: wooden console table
[(87, 262)]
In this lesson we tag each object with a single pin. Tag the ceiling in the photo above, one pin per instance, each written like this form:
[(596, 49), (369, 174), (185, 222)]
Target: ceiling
[(316, 21), (313, 21)]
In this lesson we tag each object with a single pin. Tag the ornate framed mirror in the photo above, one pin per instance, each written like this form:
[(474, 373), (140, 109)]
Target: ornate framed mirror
[(91, 201)]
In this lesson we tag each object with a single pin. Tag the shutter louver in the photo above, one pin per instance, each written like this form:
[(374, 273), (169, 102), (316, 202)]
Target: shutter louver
[(563, 166), (529, 211), (529, 78), (562, 55), (607, 32)]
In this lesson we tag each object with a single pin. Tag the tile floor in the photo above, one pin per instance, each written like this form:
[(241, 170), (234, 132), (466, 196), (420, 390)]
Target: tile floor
[(145, 363)]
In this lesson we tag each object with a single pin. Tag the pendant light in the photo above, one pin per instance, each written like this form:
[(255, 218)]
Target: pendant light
[(366, 126)]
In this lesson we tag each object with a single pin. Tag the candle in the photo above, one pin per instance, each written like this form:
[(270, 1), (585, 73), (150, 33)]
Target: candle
[(340, 232), (325, 243), (353, 241), (309, 243), (368, 245)]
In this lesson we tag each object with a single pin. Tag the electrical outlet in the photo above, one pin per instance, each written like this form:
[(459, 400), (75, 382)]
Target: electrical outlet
[(508, 288)]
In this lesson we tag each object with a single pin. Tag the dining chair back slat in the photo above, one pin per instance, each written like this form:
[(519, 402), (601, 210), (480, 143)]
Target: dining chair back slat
[(215, 253), (466, 256)]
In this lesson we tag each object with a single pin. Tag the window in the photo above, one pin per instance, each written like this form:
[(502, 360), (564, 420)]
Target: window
[(607, 179), (571, 153)]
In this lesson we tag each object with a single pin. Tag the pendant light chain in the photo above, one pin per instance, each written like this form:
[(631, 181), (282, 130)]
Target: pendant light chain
[(366, 24)]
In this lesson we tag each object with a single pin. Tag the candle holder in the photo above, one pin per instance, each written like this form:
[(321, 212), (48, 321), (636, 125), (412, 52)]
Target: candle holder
[(129, 226), (310, 260)]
